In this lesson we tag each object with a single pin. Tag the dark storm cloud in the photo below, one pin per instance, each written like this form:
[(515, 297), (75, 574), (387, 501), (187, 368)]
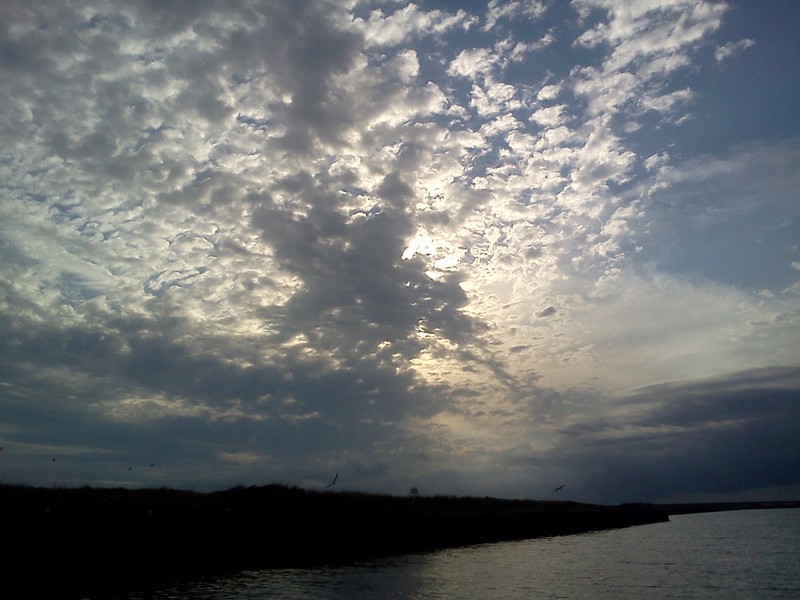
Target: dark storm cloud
[(727, 436)]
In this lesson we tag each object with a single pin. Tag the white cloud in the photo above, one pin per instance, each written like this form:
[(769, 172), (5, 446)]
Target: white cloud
[(606, 94), (507, 9), (474, 63), (656, 161), (501, 124), (649, 28), (729, 49), (666, 103), (552, 116), (548, 92), (493, 97), (408, 22)]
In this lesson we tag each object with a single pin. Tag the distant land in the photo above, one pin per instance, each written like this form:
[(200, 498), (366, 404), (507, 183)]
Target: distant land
[(111, 538), (86, 502), (63, 503)]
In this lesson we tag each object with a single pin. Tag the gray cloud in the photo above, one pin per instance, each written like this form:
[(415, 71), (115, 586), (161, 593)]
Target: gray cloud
[(728, 435), (268, 241)]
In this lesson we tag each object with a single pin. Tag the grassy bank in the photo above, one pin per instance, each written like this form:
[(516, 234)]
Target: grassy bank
[(92, 538), (268, 500)]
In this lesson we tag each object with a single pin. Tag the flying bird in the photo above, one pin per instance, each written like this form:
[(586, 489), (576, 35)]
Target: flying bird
[(335, 477), (561, 487)]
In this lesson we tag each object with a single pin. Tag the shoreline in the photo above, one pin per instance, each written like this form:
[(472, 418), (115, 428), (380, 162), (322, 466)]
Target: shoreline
[(93, 540), (83, 556)]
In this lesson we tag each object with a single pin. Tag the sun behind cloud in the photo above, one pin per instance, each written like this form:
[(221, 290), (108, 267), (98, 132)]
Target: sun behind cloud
[(463, 246)]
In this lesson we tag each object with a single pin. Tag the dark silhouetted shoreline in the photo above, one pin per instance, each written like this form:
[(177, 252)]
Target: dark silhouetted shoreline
[(95, 538)]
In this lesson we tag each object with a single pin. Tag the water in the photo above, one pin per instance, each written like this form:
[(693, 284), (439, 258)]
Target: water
[(742, 554)]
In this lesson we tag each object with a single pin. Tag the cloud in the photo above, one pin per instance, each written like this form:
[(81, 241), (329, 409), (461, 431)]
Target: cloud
[(498, 10), (732, 434), (744, 194), (643, 29), (473, 63), (271, 241), (552, 116), (400, 25), (729, 49)]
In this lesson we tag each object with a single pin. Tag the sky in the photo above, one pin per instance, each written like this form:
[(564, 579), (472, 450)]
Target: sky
[(479, 248)]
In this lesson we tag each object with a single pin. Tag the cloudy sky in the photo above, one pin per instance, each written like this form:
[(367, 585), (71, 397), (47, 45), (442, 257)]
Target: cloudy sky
[(482, 248)]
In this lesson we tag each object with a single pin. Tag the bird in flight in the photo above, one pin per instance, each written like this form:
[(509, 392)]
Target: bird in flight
[(335, 477), (561, 487)]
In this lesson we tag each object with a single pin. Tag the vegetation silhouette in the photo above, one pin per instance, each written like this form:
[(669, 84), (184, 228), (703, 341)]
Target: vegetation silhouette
[(20, 501), (82, 541)]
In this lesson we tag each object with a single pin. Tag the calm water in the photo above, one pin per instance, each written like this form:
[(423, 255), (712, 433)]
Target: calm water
[(742, 554)]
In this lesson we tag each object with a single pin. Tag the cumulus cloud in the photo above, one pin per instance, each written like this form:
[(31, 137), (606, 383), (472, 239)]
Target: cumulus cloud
[(409, 21), (473, 63)]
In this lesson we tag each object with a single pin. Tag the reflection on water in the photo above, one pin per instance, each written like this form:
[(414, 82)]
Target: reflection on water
[(742, 554)]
